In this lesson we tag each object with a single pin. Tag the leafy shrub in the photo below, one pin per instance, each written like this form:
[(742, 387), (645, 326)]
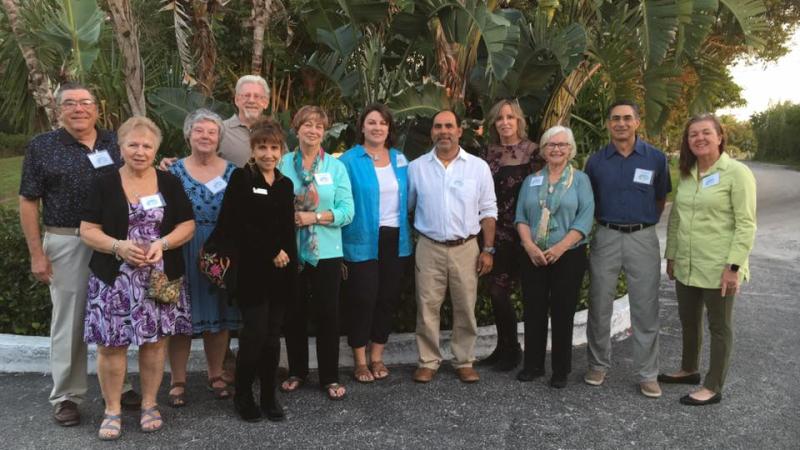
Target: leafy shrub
[(13, 144), (776, 132), (24, 302)]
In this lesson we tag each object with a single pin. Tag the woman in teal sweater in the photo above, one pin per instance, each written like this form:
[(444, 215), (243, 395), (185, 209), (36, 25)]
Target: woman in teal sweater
[(712, 226)]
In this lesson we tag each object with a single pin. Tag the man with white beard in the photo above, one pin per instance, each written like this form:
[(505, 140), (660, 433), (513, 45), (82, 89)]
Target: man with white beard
[(252, 98)]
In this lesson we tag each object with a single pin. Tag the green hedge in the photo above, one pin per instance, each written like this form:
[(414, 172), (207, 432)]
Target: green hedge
[(13, 144), (24, 303)]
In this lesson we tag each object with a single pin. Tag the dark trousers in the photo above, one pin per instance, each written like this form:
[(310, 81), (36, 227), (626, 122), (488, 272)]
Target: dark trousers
[(319, 286), (552, 289), (260, 346), (372, 292), (506, 265)]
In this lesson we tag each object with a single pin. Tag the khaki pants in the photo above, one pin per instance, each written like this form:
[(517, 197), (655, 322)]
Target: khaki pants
[(437, 268)]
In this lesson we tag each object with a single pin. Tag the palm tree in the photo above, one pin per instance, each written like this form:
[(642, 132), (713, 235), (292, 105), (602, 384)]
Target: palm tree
[(127, 38)]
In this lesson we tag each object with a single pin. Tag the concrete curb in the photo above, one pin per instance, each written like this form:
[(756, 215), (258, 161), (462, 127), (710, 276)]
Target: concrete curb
[(32, 353)]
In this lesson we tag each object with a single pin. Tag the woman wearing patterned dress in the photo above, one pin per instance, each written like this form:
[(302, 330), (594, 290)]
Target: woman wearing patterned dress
[(135, 219), (511, 157), (204, 176)]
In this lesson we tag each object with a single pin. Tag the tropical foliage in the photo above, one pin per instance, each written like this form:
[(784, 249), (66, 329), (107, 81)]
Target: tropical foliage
[(776, 133)]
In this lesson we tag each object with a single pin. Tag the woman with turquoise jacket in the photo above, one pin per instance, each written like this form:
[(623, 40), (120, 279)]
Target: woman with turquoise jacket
[(323, 205), (377, 242)]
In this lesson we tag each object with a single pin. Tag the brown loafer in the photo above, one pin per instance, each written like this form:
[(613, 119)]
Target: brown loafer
[(424, 375), (467, 375), (66, 414)]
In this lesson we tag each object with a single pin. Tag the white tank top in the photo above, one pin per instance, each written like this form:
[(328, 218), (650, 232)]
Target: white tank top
[(390, 197)]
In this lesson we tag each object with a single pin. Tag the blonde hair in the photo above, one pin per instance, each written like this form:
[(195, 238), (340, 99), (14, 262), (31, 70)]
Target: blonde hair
[(494, 113), (138, 123), (308, 112)]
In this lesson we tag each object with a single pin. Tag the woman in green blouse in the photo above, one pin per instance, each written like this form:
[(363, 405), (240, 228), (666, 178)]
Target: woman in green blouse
[(711, 231)]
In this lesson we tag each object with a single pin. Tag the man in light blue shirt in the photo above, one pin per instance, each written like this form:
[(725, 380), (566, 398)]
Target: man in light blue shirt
[(451, 194)]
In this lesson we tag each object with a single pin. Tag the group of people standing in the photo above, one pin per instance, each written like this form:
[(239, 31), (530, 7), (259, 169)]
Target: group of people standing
[(305, 229)]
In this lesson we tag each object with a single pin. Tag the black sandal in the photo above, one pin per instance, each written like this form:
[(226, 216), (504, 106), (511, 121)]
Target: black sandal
[(177, 400), (220, 393)]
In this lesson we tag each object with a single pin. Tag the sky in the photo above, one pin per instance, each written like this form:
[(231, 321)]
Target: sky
[(765, 85)]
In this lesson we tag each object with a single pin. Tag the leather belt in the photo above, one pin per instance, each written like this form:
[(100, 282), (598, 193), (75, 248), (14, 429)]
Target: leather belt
[(453, 242), (63, 231), (626, 228)]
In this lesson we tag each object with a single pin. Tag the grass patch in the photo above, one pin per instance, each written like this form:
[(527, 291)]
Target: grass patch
[(10, 172)]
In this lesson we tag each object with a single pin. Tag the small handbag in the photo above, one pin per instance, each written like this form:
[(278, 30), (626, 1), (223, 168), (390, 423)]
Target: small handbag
[(214, 266), (162, 290)]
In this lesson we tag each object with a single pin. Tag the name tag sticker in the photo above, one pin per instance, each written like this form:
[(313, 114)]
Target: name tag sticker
[(152, 201), (216, 185), (323, 179), (643, 176), (259, 191), (711, 180), (401, 161), (100, 158), (537, 181)]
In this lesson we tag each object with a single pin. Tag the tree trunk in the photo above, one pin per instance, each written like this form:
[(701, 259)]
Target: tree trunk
[(559, 107), (38, 82), (203, 40), (259, 17), (127, 37)]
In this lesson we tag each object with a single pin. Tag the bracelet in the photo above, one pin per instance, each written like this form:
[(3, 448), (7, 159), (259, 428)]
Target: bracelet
[(114, 248), (164, 244)]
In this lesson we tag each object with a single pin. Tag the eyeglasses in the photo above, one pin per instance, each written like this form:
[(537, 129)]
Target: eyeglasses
[(559, 145), (252, 96), (72, 104)]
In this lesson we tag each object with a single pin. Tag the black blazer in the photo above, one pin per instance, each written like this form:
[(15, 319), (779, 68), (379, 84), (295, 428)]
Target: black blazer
[(108, 207), (257, 221)]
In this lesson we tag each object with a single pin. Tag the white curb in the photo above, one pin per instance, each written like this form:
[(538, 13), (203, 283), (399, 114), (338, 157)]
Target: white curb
[(32, 353)]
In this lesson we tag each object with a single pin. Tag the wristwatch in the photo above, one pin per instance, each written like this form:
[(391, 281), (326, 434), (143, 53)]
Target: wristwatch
[(734, 267), (489, 250), (319, 217)]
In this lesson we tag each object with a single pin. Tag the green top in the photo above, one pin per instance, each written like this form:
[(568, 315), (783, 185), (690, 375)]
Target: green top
[(712, 223)]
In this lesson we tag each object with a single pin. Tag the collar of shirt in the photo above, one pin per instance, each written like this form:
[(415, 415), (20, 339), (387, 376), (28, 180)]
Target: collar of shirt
[(235, 122), (103, 137), (720, 165), (462, 155), (639, 147)]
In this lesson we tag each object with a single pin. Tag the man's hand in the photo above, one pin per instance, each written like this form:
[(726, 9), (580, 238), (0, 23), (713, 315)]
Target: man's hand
[(485, 262), (41, 268)]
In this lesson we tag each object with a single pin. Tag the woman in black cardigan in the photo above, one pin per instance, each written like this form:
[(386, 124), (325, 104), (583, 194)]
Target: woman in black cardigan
[(135, 220), (257, 223)]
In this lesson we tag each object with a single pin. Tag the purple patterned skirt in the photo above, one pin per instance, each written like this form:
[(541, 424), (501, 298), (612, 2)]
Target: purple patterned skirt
[(122, 314)]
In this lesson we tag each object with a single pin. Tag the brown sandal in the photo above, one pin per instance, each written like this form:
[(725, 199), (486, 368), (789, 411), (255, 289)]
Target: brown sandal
[(220, 393), (177, 400), (362, 374), (379, 370)]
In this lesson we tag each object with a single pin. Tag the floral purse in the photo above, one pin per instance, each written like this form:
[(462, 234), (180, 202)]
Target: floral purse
[(162, 290)]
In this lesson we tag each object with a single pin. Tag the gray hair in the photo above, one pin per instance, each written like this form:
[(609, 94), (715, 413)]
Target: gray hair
[(255, 79), (201, 115), (72, 87), (558, 129)]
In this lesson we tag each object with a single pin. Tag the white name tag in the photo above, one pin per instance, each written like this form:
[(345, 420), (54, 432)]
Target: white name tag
[(643, 176), (259, 191), (323, 178), (100, 159), (401, 161), (711, 180), (152, 201), (537, 181), (216, 185)]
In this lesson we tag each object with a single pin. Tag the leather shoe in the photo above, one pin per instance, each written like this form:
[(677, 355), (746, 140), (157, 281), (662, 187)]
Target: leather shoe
[(693, 378), (66, 413), (526, 375), (467, 375), (691, 401), (131, 400), (424, 374)]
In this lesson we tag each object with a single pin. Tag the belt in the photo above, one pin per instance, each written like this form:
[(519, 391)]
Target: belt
[(63, 231), (626, 228), (453, 242)]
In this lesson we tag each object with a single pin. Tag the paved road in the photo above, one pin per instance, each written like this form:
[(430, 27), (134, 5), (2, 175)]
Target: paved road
[(760, 409)]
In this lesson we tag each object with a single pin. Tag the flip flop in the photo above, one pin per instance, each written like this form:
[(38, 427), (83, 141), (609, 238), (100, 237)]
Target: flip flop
[(297, 381), (362, 374), (378, 367), (220, 393), (177, 400), (331, 389)]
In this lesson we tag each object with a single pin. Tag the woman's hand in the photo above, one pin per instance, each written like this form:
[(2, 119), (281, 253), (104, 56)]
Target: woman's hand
[(553, 253), (131, 254), (305, 218), (671, 269), (730, 282), (282, 260), (535, 254), (155, 252)]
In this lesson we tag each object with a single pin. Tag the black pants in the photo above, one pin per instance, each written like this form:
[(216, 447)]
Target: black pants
[(506, 267), (552, 289), (320, 286), (372, 291), (260, 345)]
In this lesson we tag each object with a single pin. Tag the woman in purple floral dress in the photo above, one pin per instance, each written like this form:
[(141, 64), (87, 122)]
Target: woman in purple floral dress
[(511, 157), (135, 220)]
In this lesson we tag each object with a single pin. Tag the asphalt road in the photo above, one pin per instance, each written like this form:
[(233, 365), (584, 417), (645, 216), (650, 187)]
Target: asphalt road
[(760, 409)]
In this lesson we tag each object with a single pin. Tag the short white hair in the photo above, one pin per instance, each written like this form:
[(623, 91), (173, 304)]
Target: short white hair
[(255, 79), (558, 129)]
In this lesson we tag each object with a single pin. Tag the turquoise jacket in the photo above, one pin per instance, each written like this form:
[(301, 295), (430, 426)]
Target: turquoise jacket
[(360, 237), (335, 197)]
